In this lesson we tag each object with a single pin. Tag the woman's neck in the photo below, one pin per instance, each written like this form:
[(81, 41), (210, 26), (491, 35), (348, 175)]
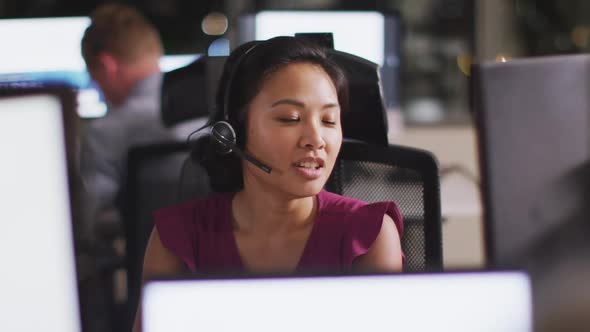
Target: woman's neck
[(268, 212)]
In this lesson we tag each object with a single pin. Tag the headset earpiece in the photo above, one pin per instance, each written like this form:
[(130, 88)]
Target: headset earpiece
[(224, 137), (222, 132)]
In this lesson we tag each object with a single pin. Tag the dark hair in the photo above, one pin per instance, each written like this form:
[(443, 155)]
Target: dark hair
[(246, 69)]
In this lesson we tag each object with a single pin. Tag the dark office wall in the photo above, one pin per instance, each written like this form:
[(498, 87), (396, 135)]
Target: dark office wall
[(554, 27), (179, 21)]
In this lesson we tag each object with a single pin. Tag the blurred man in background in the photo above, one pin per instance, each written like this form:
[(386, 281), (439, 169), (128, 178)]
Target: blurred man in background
[(122, 50)]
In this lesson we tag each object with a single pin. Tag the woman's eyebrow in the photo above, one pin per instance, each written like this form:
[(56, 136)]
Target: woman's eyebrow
[(299, 104), (331, 105), (292, 102)]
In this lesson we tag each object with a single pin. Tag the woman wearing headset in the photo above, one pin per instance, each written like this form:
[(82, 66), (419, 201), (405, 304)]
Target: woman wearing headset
[(275, 137)]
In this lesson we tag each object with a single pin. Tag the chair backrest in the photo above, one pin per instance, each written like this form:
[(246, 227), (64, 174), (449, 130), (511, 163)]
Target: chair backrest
[(407, 176), (153, 178), (366, 118), (189, 92)]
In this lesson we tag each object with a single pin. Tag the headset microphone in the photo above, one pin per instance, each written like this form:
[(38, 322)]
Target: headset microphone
[(223, 133)]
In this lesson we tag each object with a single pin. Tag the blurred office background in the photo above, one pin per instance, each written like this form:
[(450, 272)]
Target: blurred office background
[(436, 42)]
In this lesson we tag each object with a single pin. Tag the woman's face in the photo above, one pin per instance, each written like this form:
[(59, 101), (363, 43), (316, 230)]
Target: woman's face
[(293, 125)]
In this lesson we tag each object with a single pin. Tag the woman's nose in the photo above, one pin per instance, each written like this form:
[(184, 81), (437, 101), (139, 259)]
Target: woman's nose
[(311, 137)]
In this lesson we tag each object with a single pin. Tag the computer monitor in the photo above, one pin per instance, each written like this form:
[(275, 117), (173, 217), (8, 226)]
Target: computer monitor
[(38, 284), (46, 51), (474, 301), (372, 35), (41, 44), (533, 118)]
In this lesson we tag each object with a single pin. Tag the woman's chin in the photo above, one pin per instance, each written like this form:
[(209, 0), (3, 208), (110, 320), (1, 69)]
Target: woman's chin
[(307, 189)]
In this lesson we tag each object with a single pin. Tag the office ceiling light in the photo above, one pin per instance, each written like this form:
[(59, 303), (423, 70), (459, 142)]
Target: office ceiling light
[(502, 57), (214, 24)]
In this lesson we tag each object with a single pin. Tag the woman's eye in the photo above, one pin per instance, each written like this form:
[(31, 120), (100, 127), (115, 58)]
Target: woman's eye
[(329, 122), (288, 120)]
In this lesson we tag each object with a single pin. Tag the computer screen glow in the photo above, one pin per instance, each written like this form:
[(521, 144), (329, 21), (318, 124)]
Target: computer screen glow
[(42, 44), (38, 280), (358, 33), (47, 50), (438, 302)]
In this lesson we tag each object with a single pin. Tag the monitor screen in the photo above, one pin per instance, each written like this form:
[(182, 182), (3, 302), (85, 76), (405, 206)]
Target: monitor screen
[(42, 44), (171, 62), (46, 51), (38, 281), (532, 117), (482, 301), (358, 33)]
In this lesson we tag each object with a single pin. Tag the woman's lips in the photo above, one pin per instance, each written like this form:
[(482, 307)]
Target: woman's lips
[(310, 167), (310, 173)]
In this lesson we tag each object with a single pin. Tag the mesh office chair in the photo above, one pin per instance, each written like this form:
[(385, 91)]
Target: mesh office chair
[(406, 176), (153, 174), (373, 173)]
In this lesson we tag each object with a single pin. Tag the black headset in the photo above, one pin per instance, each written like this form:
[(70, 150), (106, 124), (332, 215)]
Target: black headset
[(222, 132)]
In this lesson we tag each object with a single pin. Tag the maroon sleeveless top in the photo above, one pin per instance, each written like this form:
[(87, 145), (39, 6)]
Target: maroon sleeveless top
[(200, 233)]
